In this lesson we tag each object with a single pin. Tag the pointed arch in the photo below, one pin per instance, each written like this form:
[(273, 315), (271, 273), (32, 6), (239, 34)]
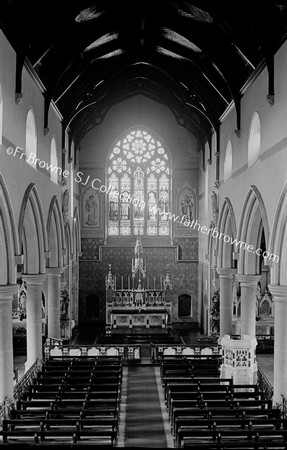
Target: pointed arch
[(9, 240), (227, 226), (55, 233), (278, 240), (32, 232), (253, 221)]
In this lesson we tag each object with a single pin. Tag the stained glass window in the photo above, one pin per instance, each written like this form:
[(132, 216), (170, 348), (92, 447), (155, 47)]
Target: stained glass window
[(138, 177)]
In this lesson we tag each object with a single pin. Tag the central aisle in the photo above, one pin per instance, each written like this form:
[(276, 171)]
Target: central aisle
[(144, 423)]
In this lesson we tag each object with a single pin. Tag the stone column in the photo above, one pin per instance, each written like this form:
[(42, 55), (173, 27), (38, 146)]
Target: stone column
[(248, 285), (34, 318), (54, 292), (6, 341), (280, 339), (225, 285)]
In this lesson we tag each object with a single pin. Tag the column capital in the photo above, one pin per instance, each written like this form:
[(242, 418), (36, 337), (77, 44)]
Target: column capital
[(226, 272), (7, 291), (279, 292), (34, 279), (248, 280), (54, 271)]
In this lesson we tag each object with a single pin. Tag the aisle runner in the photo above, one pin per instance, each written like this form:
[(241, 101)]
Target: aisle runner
[(144, 423)]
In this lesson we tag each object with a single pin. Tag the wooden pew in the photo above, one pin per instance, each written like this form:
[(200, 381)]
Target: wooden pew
[(182, 416), (232, 439), (237, 418), (222, 393)]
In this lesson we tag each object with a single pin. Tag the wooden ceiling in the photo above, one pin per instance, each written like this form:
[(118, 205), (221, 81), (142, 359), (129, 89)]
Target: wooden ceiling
[(193, 56)]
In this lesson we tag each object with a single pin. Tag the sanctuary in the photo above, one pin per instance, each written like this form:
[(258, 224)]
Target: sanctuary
[(138, 304)]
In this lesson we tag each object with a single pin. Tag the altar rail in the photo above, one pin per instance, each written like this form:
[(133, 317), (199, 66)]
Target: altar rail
[(55, 348), (158, 351)]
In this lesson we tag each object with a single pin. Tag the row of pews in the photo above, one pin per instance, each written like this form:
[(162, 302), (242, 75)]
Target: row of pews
[(209, 412), (70, 401)]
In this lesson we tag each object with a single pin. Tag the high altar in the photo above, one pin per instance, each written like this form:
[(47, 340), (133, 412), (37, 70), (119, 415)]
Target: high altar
[(138, 305)]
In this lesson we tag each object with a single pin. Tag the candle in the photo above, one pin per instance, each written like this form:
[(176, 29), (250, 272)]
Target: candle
[(129, 283), (115, 283), (154, 282), (161, 282), (122, 282), (147, 283)]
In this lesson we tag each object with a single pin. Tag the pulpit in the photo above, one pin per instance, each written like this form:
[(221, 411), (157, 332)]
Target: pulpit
[(138, 305)]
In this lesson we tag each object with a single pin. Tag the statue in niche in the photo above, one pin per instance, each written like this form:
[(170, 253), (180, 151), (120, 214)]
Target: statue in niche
[(186, 205), (91, 210), (215, 311)]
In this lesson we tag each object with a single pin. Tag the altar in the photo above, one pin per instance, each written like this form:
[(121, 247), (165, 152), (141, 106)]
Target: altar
[(139, 318), (138, 305)]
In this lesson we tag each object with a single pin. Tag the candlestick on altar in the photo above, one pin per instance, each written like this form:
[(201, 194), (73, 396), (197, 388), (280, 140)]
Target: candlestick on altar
[(129, 283), (115, 282), (161, 282), (147, 283), (154, 282), (122, 283)]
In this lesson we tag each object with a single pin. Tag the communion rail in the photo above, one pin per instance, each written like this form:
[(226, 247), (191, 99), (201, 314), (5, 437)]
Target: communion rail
[(56, 349)]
